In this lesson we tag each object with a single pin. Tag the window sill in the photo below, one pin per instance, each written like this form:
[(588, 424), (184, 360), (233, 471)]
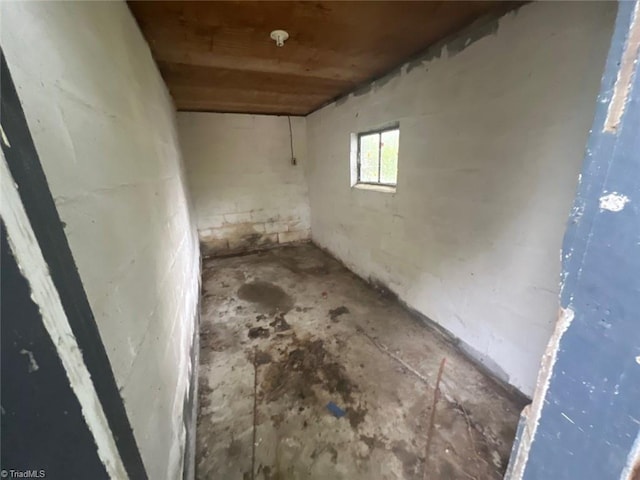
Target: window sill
[(375, 188)]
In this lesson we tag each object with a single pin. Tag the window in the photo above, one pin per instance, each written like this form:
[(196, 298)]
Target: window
[(378, 156)]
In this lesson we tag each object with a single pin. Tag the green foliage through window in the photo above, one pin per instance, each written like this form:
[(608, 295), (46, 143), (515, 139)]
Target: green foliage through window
[(378, 156)]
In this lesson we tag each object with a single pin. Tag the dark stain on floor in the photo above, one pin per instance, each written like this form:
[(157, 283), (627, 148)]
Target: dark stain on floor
[(372, 442), (269, 297), (299, 266), (336, 312), (411, 462), (204, 394), (279, 324), (262, 358), (306, 365), (235, 449), (300, 365), (259, 332)]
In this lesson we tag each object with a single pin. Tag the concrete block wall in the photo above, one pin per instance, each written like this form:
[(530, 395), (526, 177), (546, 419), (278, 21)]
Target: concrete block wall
[(104, 127), (246, 193), (493, 126), (492, 130)]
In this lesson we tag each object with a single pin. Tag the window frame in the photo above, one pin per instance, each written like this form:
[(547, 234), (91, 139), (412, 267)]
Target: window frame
[(379, 131)]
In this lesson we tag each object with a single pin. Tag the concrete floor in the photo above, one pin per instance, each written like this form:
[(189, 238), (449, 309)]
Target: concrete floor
[(315, 333)]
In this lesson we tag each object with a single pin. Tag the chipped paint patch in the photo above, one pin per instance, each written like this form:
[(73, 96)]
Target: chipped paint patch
[(33, 365), (45, 296), (625, 74), (532, 420), (614, 202), (5, 140), (632, 467), (567, 418)]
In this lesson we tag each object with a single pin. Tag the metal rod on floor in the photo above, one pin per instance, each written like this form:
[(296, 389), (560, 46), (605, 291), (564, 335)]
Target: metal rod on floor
[(255, 414), (436, 395)]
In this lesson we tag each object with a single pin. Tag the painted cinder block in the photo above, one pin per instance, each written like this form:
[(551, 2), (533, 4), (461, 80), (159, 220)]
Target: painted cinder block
[(471, 236), (264, 215), (233, 218), (212, 246), (244, 175), (276, 227), (297, 236), (215, 221), (118, 184), (252, 242)]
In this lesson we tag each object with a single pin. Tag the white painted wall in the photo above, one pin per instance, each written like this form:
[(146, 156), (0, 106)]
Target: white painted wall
[(245, 191), (491, 142), (103, 125)]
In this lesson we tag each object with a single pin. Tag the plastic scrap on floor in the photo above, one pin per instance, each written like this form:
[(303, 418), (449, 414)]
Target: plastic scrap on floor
[(335, 410)]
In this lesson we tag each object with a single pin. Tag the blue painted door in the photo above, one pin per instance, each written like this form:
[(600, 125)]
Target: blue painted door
[(584, 421)]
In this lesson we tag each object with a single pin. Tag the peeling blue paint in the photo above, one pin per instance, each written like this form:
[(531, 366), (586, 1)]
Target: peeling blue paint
[(586, 428)]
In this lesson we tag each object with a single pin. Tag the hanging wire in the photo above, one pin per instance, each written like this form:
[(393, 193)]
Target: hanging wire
[(293, 158)]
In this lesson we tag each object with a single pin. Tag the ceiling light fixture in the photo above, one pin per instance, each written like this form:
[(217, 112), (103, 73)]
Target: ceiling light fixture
[(279, 36)]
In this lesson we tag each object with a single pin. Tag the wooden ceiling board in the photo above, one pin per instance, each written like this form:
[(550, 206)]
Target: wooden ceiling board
[(217, 56)]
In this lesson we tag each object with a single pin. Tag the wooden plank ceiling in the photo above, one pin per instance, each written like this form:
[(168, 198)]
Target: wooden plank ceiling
[(217, 56)]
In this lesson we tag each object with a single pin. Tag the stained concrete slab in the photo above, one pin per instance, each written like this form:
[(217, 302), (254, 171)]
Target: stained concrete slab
[(293, 330)]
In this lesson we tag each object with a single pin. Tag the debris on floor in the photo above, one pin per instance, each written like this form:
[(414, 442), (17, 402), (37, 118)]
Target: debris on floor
[(278, 366), (335, 410), (336, 312)]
